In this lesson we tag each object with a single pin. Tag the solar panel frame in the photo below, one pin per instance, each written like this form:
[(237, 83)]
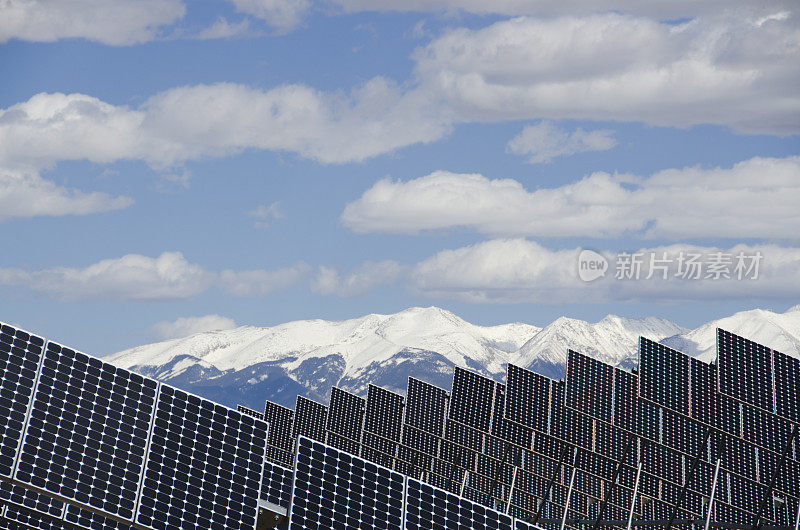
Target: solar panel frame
[(250, 412), (276, 486), (463, 513)]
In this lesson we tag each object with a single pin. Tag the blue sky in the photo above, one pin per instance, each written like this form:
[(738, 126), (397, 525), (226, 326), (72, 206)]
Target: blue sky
[(259, 161)]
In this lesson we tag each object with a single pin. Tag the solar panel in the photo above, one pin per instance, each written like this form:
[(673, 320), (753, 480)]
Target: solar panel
[(589, 386), (18, 518), (20, 356), (528, 398), (86, 437), (345, 420), (280, 420), (279, 456), (426, 407), (276, 486), (430, 508), (14, 495), (787, 386), (744, 370), (310, 419), (333, 489), (383, 425), (250, 412), (204, 467), (519, 524), (472, 399), (664, 376)]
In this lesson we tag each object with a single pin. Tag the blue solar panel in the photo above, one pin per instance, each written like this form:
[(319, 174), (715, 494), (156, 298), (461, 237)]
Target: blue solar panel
[(333, 489), (205, 465), (86, 437), (276, 487), (20, 356), (430, 508)]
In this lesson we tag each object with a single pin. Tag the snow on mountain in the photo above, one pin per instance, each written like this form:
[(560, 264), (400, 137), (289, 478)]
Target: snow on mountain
[(780, 331), (613, 340), (250, 364)]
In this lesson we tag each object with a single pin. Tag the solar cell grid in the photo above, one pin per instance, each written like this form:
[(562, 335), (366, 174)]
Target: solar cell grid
[(589, 386), (279, 456), (276, 487), (527, 398), (744, 370), (472, 399), (310, 419), (426, 406), (280, 420), (250, 412), (204, 466), (20, 356), (18, 496), (18, 518), (384, 413), (787, 386), (333, 489), (85, 519), (86, 437), (429, 508), (664, 376)]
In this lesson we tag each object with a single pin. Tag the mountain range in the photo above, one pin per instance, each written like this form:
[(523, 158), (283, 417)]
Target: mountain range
[(248, 365)]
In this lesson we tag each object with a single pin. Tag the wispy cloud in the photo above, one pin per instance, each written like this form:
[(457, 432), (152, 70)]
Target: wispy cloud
[(185, 326), (263, 215), (357, 282), (282, 15), (545, 141)]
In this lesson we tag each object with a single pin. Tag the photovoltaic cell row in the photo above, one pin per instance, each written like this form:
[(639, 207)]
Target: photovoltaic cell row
[(383, 426), (310, 419), (427, 406), (204, 467), (276, 487), (14, 495), (589, 386), (430, 508), (20, 356), (333, 489), (787, 386), (664, 376), (345, 420), (528, 398), (86, 436), (18, 518), (472, 399), (280, 420), (250, 412), (92, 521)]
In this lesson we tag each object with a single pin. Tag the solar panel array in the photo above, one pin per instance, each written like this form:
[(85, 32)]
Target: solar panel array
[(85, 444)]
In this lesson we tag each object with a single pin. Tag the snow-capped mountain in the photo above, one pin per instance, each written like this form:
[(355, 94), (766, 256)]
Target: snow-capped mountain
[(780, 331), (250, 364)]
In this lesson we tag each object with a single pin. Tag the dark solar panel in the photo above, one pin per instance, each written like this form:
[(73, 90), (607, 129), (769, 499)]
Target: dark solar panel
[(280, 420), (204, 467), (472, 399), (589, 386), (528, 398), (345, 421), (20, 356), (18, 518), (426, 407), (664, 376), (333, 489), (383, 426), (787, 386), (310, 419), (250, 412), (86, 437), (744, 370), (86, 519), (276, 487), (430, 508), (279, 456)]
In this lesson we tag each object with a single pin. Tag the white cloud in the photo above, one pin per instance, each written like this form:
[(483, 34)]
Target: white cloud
[(260, 282), (27, 194), (185, 326), (195, 122), (655, 8), (222, 29), (114, 22), (731, 69), (756, 198), (283, 15), (517, 270), (544, 141), (265, 214), (134, 277), (359, 281)]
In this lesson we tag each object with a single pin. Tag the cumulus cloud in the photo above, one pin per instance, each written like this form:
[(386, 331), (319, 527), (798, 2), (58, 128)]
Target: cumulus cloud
[(755, 198), (283, 15), (544, 141), (27, 194), (656, 8), (185, 326), (195, 122), (134, 277), (359, 281), (518, 270), (732, 69), (114, 22)]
